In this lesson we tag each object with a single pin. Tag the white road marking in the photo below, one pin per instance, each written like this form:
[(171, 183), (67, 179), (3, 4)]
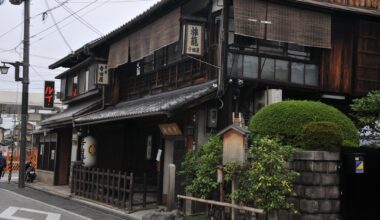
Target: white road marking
[(8, 214), (51, 206)]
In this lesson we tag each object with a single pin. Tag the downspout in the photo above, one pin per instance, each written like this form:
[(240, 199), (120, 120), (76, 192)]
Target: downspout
[(224, 45)]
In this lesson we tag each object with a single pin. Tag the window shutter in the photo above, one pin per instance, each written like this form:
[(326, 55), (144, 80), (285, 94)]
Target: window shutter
[(286, 23), (156, 35), (118, 54)]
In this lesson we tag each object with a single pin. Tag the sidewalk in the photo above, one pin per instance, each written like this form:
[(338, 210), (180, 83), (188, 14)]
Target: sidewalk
[(64, 191)]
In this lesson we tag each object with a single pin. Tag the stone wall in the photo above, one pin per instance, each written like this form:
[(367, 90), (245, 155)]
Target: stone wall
[(317, 187)]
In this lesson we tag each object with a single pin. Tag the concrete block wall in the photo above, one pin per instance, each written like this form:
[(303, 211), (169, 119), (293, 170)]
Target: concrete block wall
[(317, 187)]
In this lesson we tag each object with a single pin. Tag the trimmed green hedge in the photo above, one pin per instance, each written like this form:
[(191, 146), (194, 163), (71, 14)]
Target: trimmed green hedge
[(286, 119), (322, 135)]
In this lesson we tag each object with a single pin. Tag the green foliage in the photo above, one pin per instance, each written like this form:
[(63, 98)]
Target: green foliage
[(265, 180), (199, 168), (286, 120), (367, 114), (322, 135)]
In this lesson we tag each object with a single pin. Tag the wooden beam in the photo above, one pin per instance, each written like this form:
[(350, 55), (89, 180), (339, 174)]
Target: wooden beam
[(212, 202)]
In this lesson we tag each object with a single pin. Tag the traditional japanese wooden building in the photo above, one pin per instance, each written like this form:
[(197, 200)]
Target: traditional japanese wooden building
[(158, 85)]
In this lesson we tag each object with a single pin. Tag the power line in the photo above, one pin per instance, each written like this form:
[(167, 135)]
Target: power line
[(34, 16), (59, 30), (34, 55), (80, 19), (93, 9), (48, 28)]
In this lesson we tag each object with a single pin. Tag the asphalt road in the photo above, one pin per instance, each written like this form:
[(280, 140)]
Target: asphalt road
[(30, 204)]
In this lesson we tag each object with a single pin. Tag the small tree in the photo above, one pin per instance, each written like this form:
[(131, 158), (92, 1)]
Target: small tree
[(367, 114), (199, 168), (265, 180)]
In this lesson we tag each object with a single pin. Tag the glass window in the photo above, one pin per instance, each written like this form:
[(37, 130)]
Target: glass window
[(298, 52), (70, 86), (75, 86), (272, 47), (311, 75), (174, 54), (267, 66), (282, 70), (91, 82), (82, 82), (251, 66), (160, 60), (297, 73), (87, 80), (148, 63), (235, 64), (63, 88)]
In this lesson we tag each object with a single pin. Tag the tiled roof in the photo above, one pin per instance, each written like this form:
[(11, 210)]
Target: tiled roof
[(163, 103)]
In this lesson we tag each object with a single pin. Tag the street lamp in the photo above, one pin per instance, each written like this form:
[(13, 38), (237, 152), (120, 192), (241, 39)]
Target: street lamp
[(25, 86), (4, 69)]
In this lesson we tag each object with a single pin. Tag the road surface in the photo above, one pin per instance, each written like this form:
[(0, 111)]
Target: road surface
[(30, 204)]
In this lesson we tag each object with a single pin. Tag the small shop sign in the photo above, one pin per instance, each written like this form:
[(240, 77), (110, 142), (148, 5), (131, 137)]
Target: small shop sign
[(359, 165), (102, 75), (170, 129), (193, 39), (49, 94)]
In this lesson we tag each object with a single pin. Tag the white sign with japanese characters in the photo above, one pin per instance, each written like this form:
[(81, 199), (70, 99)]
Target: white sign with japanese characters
[(102, 74), (193, 39)]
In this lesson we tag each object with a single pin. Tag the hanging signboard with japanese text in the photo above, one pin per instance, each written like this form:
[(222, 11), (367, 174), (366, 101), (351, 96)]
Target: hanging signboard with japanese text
[(170, 129), (102, 74), (193, 39), (49, 94)]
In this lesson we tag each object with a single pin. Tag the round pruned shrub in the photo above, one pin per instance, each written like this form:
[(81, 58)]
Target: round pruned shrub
[(322, 135), (286, 120)]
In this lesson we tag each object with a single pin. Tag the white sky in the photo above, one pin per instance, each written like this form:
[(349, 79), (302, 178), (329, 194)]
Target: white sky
[(47, 45)]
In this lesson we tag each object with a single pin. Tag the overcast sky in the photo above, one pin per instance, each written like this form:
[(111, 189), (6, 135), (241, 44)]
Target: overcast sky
[(79, 21)]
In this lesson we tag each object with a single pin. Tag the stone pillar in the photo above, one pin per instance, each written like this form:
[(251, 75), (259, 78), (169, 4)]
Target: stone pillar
[(317, 187)]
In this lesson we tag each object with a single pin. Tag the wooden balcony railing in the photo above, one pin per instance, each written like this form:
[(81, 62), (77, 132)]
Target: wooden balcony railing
[(184, 73)]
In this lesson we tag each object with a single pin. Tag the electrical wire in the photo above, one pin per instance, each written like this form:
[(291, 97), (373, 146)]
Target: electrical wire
[(80, 19), (46, 35), (34, 16), (65, 18), (59, 30)]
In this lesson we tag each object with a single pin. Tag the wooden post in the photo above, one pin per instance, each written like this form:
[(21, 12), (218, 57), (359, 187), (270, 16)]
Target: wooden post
[(125, 188), (145, 189), (108, 186), (233, 211), (171, 189), (118, 189), (113, 188), (131, 192), (159, 195), (97, 184)]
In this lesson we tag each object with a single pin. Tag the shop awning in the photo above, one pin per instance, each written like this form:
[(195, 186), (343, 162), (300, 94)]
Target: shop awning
[(66, 117), (161, 104)]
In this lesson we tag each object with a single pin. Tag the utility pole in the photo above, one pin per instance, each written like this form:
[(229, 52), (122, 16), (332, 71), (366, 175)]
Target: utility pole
[(25, 94), (25, 87)]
